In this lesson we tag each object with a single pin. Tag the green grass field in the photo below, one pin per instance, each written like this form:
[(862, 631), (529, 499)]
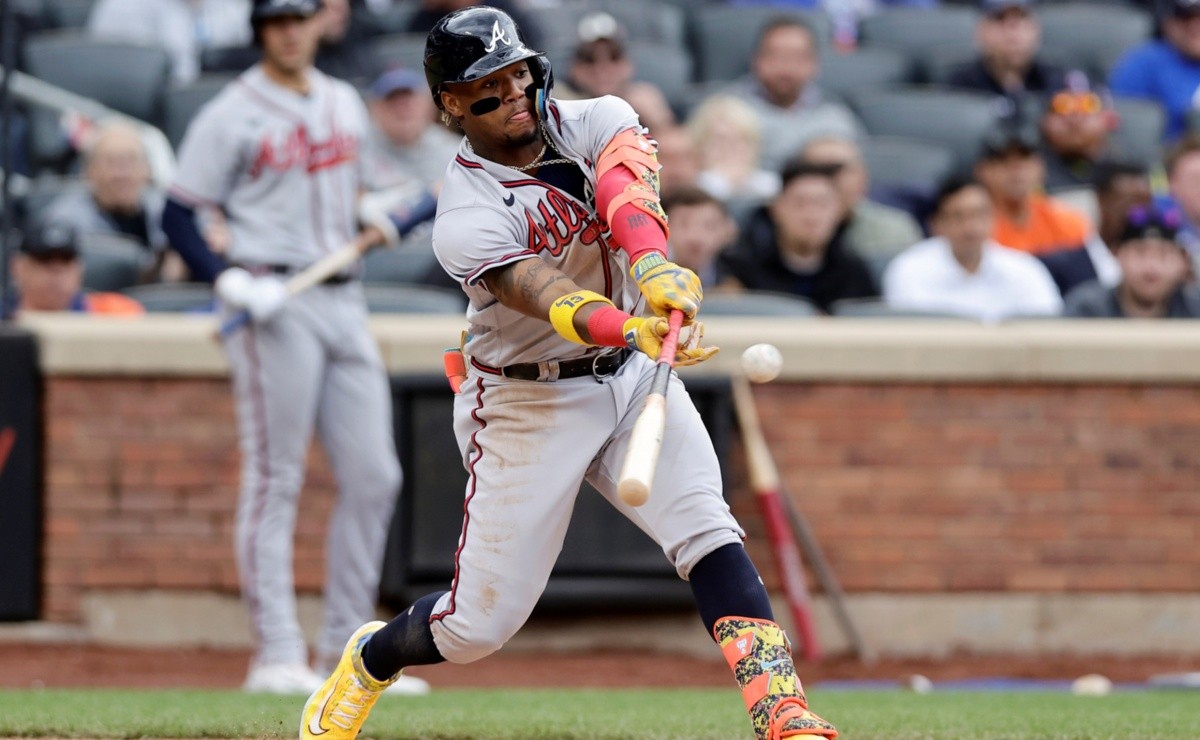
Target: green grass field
[(597, 715)]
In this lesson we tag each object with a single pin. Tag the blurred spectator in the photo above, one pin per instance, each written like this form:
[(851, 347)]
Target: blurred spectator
[(404, 144), (116, 195), (1183, 179), (183, 27), (48, 276), (1166, 70), (727, 136), (1154, 269), (791, 245), (431, 12), (679, 158), (783, 93), (1077, 127), (600, 65), (874, 231), (1008, 36), (962, 271), (701, 230), (1012, 171), (1119, 187), (345, 50)]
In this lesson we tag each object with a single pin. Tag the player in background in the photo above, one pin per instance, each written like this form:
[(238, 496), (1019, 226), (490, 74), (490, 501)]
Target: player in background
[(549, 219), (277, 152)]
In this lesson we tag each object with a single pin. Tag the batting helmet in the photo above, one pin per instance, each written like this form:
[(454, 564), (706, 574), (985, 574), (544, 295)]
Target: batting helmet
[(475, 42), (264, 9)]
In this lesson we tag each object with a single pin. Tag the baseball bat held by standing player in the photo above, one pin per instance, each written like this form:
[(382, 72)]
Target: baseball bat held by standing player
[(641, 458), (319, 271)]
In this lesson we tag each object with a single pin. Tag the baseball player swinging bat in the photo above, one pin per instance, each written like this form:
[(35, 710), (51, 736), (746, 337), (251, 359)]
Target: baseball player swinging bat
[(646, 440), (764, 479), (324, 268)]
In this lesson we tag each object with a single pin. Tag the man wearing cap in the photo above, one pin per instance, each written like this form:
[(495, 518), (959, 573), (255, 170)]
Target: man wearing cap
[(48, 275), (404, 147), (1166, 70), (1013, 172), (1154, 269), (1008, 36), (1076, 125), (600, 65)]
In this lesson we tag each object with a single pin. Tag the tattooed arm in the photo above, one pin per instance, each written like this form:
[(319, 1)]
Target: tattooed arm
[(531, 286)]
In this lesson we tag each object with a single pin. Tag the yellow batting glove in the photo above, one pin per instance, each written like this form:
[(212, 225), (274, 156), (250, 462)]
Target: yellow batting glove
[(646, 336), (668, 286)]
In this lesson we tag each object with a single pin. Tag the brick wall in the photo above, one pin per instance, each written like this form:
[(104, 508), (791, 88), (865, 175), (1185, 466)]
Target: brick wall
[(912, 488)]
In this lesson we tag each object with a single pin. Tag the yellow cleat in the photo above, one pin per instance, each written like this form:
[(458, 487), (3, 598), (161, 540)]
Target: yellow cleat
[(337, 710)]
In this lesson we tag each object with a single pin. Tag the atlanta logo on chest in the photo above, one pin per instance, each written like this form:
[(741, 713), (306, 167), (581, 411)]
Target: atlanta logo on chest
[(557, 221), (297, 149)]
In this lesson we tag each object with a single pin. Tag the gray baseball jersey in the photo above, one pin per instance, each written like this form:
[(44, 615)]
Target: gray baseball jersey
[(491, 215), (527, 445), (285, 169), (284, 166)]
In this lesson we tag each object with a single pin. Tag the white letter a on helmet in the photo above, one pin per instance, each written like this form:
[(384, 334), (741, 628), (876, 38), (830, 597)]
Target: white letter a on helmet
[(498, 35)]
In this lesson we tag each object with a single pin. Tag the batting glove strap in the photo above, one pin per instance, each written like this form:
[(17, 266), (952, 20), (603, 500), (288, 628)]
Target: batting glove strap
[(646, 336), (668, 286), (562, 313)]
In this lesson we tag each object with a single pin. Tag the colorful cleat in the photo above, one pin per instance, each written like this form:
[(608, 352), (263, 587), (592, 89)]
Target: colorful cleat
[(761, 658), (337, 710)]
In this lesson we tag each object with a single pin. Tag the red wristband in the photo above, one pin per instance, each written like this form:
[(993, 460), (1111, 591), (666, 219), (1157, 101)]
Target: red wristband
[(606, 326)]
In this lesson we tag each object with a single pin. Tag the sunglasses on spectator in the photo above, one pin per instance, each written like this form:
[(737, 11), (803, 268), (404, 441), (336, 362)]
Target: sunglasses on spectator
[(592, 56), (1084, 104)]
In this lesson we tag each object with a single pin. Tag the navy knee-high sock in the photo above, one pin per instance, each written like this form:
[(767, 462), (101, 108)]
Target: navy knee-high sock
[(726, 584), (404, 641)]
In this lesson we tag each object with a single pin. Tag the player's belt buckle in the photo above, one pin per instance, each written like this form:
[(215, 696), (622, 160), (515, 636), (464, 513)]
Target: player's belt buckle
[(608, 370)]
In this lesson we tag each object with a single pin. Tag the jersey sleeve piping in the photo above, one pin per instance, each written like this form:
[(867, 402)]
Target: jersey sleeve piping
[(477, 275), (187, 197)]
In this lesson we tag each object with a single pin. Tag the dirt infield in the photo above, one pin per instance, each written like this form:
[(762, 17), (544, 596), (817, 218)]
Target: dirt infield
[(27, 666)]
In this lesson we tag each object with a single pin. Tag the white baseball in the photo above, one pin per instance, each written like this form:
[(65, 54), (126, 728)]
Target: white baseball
[(1093, 684), (762, 363)]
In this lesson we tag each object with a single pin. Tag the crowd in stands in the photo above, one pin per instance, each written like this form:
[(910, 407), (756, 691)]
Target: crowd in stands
[(1046, 162)]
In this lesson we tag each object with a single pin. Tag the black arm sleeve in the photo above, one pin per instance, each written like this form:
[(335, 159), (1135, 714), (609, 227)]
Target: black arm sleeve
[(179, 224)]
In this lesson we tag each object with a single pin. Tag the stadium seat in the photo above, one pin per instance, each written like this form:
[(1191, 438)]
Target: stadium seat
[(173, 297), (407, 263), (1139, 134), (725, 36), (1092, 35), (897, 162), (184, 101), (937, 63), (866, 67), (413, 299), (668, 67), (757, 303), (914, 30), (956, 119), (876, 308), (111, 262), (399, 50), (128, 77), (68, 13), (131, 78)]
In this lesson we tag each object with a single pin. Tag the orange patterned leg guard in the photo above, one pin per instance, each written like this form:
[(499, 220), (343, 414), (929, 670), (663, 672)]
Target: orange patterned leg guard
[(761, 659)]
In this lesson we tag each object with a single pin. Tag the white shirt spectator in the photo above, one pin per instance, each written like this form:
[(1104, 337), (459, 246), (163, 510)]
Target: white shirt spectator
[(183, 27), (1008, 283)]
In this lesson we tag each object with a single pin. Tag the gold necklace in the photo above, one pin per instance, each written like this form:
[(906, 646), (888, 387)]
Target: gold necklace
[(536, 160)]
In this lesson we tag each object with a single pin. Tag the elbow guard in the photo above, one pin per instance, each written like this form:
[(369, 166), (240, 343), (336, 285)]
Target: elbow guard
[(630, 153)]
